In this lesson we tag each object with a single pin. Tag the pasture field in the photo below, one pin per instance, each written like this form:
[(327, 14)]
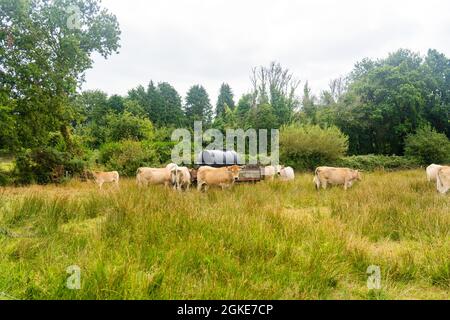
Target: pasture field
[(271, 240)]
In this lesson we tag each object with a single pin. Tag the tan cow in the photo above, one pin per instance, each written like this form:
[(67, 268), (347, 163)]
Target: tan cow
[(335, 176), (104, 177), (222, 177), (432, 171), (155, 176), (443, 179), (182, 178)]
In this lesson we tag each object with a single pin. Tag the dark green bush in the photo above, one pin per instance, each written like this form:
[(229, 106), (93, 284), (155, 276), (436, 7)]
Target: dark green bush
[(428, 146), (126, 156), (377, 162), (39, 165), (5, 178), (46, 165), (308, 146)]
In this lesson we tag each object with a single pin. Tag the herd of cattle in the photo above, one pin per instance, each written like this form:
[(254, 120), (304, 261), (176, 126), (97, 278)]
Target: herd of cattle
[(181, 178)]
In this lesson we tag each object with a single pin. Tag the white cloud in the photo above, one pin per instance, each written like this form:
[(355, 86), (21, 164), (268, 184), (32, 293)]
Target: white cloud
[(186, 42)]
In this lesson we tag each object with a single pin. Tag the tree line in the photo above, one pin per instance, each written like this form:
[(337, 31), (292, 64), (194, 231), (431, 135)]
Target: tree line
[(377, 106)]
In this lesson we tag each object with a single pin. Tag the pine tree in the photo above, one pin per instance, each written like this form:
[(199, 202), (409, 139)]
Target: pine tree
[(225, 99), (198, 106)]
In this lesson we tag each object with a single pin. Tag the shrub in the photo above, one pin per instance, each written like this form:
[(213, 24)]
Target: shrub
[(377, 162), (127, 156), (5, 178), (428, 146), (308, 146)]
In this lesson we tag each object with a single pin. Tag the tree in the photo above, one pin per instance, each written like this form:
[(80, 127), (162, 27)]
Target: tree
[(161, 103), (198, 106), (44, 52), (242, 109), (428, 146), (225, 99), (276, 86)]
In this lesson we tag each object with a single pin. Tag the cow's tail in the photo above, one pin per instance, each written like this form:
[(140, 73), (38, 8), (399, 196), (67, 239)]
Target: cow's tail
[(316, 179), (439, 183), (138, 177)]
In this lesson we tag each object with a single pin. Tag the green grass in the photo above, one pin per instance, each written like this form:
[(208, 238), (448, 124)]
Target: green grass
[(266, 241)]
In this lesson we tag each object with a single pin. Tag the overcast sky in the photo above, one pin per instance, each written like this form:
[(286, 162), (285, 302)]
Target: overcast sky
[(207, 42)]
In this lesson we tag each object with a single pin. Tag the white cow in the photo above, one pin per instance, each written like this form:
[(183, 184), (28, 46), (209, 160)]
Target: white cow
[(325, 176), (432, 171), (155, 176), (182, 178), (287, 174), (270, 172), (443, 179), (105, 177)]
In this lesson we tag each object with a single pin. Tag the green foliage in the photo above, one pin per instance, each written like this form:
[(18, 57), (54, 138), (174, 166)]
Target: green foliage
[(377, 162), (198, 106), (128, 127), (45, 165), (287, 241), (225, 99), (391, 98), (306, 147), (43, 47), (428, 146), (127, 156)]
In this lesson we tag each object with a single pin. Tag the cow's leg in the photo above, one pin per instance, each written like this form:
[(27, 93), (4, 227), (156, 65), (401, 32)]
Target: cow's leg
[(324, 185), (100, 184), (199, 186)]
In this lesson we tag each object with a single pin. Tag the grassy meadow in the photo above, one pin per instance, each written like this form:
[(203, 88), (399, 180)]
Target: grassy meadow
[(271, 240)]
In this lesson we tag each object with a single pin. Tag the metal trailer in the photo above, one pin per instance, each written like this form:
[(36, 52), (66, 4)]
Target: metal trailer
[(225, 158)]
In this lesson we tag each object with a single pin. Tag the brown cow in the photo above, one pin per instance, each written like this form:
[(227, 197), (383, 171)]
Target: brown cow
[(335, 176), (222, 177)]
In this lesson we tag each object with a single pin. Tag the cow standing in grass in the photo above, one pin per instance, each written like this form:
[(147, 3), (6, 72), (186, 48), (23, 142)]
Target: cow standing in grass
[(287, 174), (325, 176), (432, 171), (105, 177), (156, 176), (182, 178), (222, 177), (443, 179)]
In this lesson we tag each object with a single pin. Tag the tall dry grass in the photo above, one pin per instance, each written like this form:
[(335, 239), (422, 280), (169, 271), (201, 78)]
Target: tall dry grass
[(265, 241)]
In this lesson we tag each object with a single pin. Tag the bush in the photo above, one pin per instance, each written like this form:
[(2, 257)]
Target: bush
[(428, 146), (377, 162), (5, 178), (127, 156), (46, 165), (306, 147)]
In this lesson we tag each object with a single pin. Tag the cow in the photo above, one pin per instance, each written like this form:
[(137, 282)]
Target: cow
[(287, 174), (443, 179), (270, 172), (104, 177), (335, 176), (182, 178), (432, 172), (156, 176), (222, 177)]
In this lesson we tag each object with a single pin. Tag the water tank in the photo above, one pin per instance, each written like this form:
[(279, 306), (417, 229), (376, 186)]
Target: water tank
[(218, 158)]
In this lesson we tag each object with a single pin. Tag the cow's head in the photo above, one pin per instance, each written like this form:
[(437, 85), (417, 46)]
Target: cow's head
[(278, 169), (357, 175), (234, 170)]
